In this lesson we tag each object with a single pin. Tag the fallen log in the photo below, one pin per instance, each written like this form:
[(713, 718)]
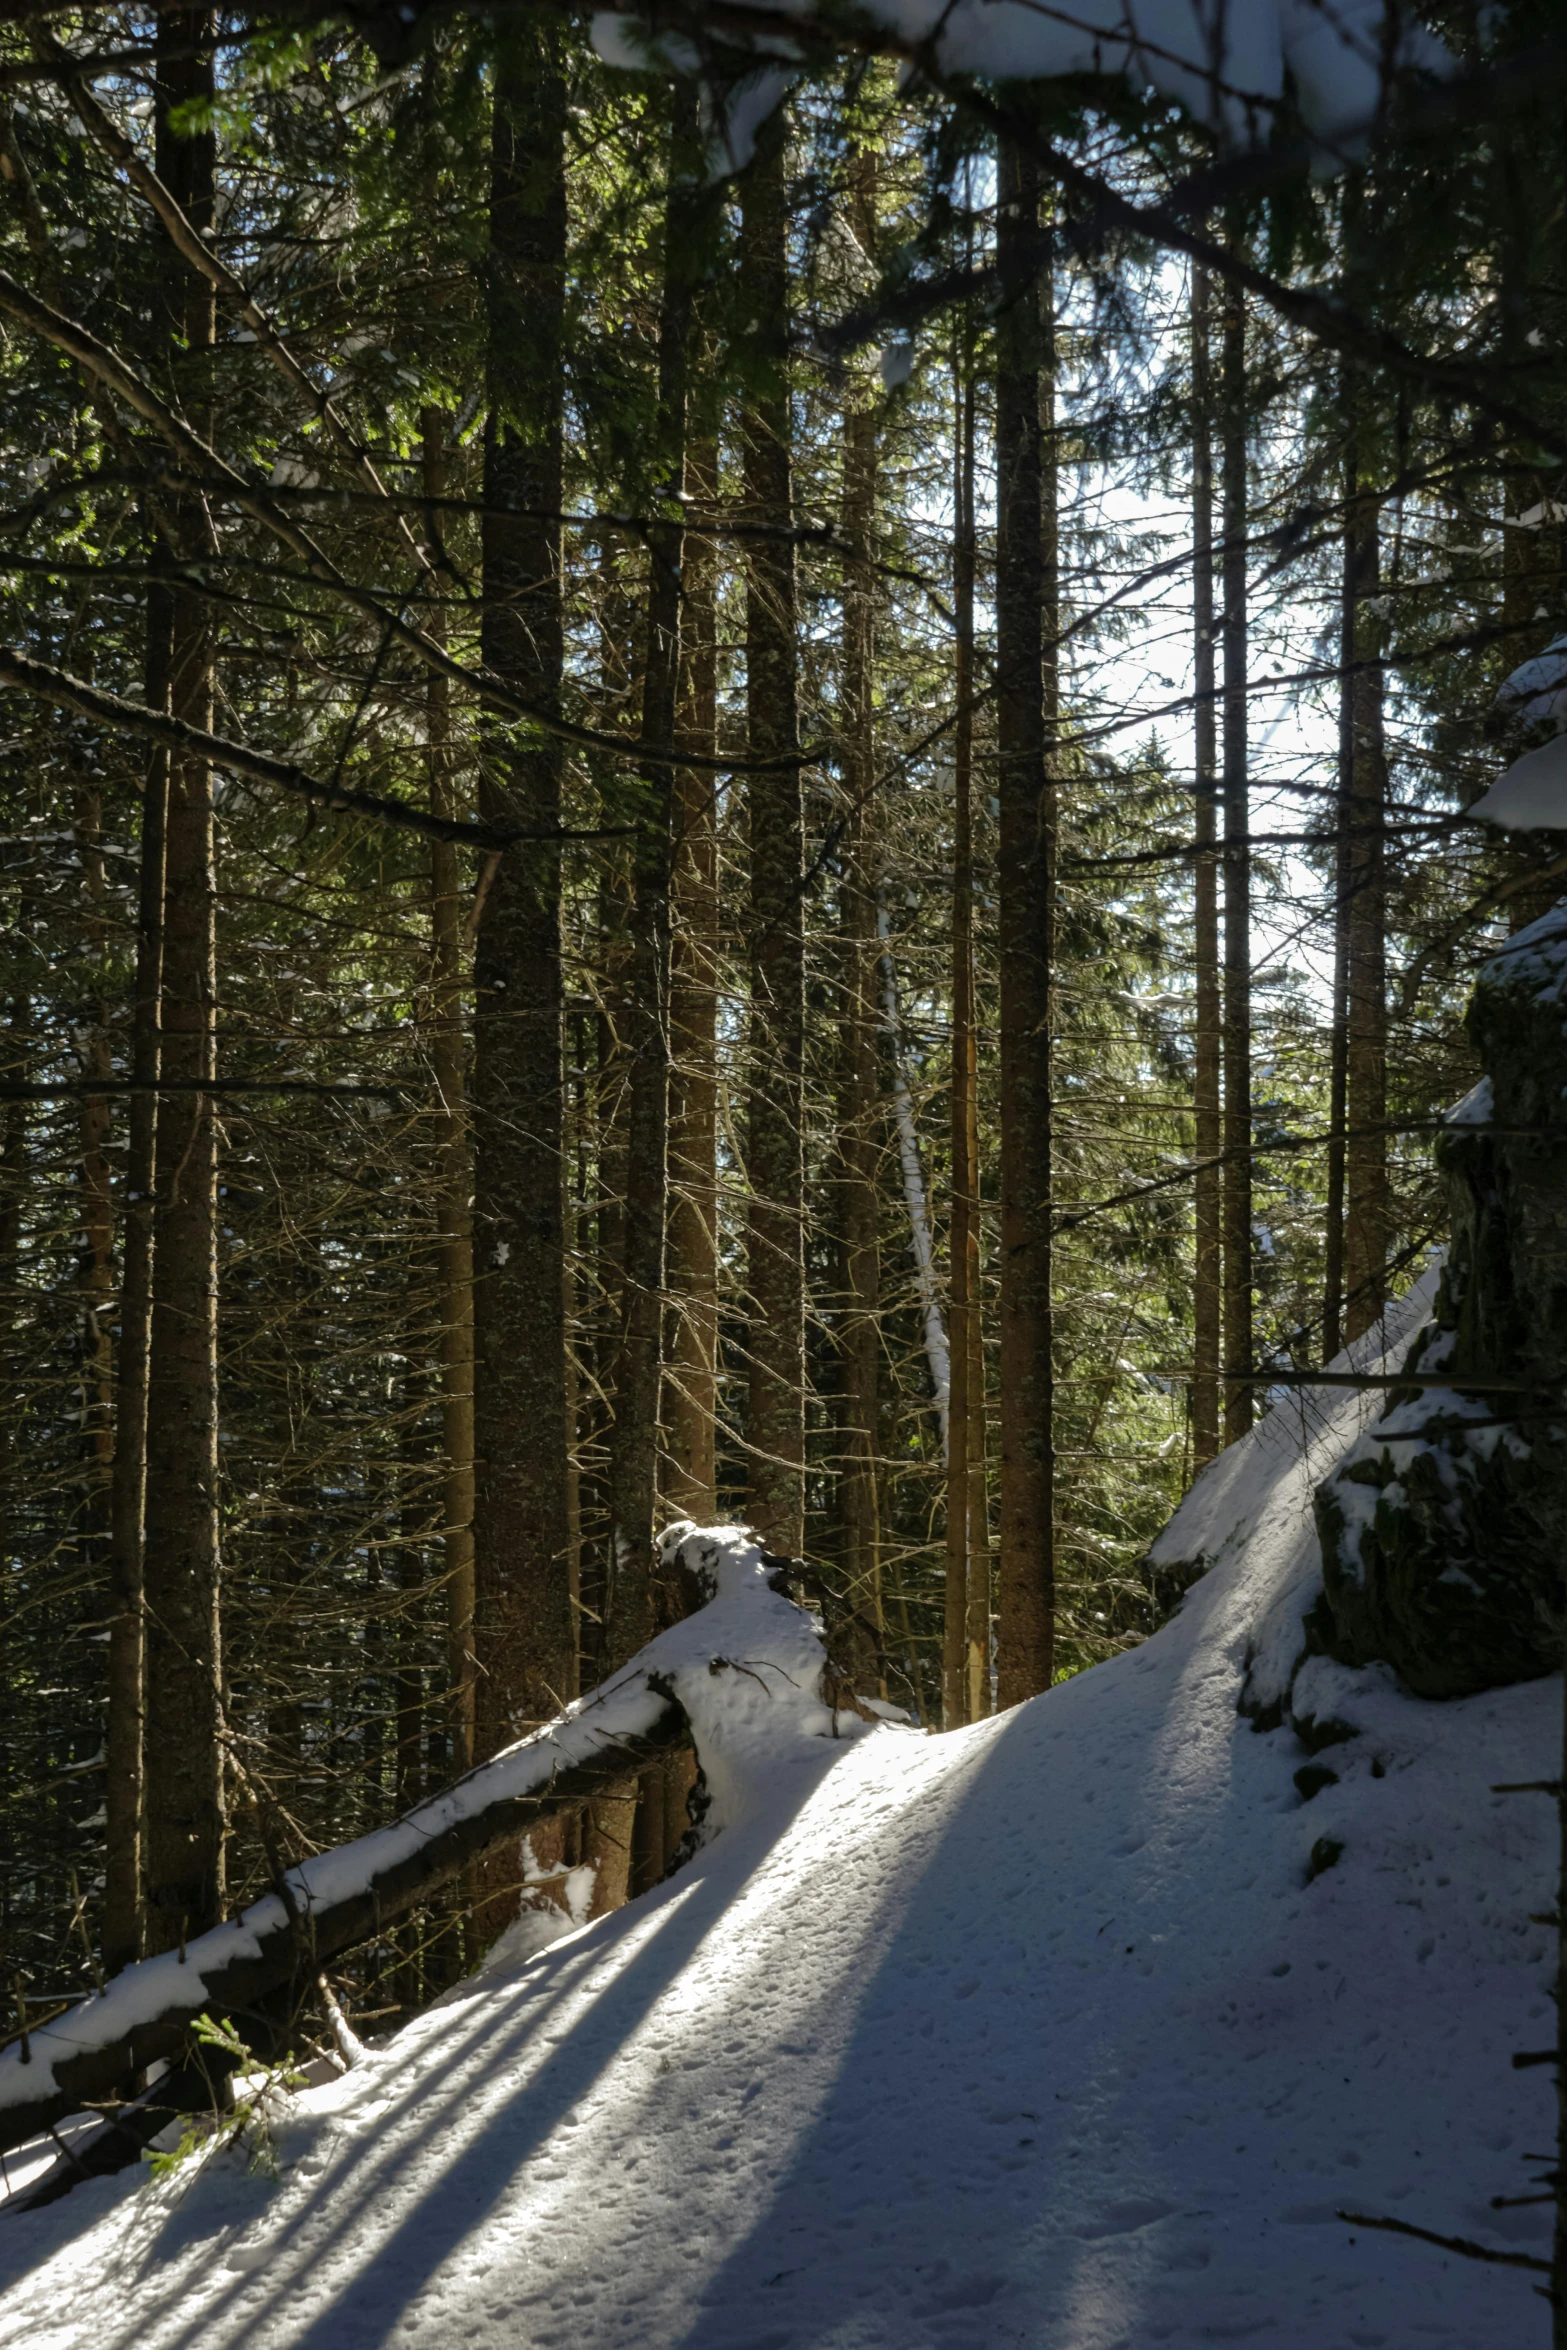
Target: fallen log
[(742, 1675), (325, 1905)]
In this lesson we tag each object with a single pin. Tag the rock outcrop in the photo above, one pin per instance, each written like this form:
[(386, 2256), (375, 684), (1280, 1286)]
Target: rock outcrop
[(1444, 1533)]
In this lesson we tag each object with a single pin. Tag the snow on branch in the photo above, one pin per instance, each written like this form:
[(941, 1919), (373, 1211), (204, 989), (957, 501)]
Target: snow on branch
[(1229, 65), (742, 1676)]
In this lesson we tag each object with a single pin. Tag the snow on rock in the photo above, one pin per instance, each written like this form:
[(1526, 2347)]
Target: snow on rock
[(1443, 1530), (1255, 1501), (1227, 64), (1532, 794), (1535, 693), (1059, 2031)]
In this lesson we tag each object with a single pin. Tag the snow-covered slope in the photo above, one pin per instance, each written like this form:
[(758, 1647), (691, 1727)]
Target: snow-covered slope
[(1037, 2034)]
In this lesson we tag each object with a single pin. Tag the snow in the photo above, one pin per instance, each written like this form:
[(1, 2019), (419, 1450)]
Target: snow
[(1535, 693), (1534, 960), (746, 1627), (1532, 795), (1031, 2034), (1227, 64), (1478, 1107)]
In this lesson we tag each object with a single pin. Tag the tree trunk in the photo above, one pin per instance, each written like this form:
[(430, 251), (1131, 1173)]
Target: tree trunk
[(1207, 1279), (629, 1609), (776, 1105), (524, 1637), (97, 1271), (185, 1824), (859, 1206), (522, 1622), (1366, 1203), (14, 1339), (691, 1386), (921, 1242), (965, 1679), (970, 1342), (123, 1737), (1025, 613), (1238, 1340), (454, 1221), (1338, 1043)]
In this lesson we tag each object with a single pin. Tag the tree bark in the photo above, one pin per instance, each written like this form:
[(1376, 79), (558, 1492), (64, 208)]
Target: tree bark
[(968, 1343), (123, 1736), (524, 1638), (185, 1810), (1025, 614), (967, 1538), (859, 1207), (1238, 1339), (1366, 1202), (691, 1391), (629, 1609), (1338, 1041), (1207, 1273), (13, 1188), (97, 1266), (775, 1109), (454, 1220)]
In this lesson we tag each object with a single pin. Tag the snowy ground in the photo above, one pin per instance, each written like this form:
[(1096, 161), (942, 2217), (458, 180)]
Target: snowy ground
[(1036, 2034)]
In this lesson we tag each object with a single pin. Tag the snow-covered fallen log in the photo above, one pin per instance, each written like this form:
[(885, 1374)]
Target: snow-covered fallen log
[(741, 1676)]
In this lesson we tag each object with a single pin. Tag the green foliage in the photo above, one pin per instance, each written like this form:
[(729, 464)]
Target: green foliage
[(250, 2120), (355, 191)]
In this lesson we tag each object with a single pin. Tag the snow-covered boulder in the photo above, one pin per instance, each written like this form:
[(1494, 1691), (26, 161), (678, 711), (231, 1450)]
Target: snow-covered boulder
[(1444, 1530)]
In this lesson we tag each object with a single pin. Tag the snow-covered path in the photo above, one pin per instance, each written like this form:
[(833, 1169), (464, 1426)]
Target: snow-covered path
[(1036, 2034)]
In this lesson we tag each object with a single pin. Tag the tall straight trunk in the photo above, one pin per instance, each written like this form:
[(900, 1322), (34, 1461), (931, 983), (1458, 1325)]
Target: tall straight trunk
[(97, 1272), (524, 1638), (633, 1484), (612, 932), (970, 1342), (691, 1387), (965, 1630), (1366, 1202), (13, 1188), (97, 1219), (859, 1216), (1338, 1042), (185, 1824), (454, 1220), (775, 1109), (1025, 714), (123, 1735), (1238, 1340), (1207, 1278), (922, 1245), (611, 959)]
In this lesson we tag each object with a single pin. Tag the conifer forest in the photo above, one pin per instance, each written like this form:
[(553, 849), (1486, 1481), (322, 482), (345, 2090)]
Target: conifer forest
[(738, 762)]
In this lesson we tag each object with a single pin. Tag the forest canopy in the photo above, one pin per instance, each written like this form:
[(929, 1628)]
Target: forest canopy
[(737, 748)]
